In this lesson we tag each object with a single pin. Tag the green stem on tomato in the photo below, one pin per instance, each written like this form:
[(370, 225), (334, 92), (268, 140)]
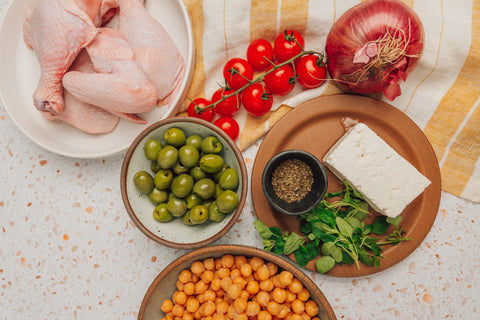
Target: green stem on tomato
[(199, 110)]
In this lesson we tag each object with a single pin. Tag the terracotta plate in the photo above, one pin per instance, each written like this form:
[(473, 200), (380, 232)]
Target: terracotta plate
[(164, 284), (315, 126)]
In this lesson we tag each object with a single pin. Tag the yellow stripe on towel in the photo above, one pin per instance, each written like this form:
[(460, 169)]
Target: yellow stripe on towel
[(263, 19), (294, 15), (197, 88), (457, 144)]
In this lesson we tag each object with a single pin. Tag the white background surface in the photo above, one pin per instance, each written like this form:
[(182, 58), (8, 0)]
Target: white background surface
[(68, 249)]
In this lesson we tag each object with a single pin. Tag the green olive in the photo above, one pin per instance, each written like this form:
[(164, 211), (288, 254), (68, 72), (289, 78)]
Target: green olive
[(160, 213), (158, 196), (167, 157), (152, 148), (177, 207), (207, 203), (214, 214), (192, 200), (211, 163), (143, 181), (186, 219), (199, 214), (175, 137), (163, 179), (211, 144), (179, 169), (194, 140), (188, 156), (229, 179), (218, 190), (182, 185), (217, 175), (154, 166), (197, 173), (227, 201), (204, 188)]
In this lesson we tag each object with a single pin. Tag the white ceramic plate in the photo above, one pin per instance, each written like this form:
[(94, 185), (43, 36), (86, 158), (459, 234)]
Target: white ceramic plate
[(19, 73)]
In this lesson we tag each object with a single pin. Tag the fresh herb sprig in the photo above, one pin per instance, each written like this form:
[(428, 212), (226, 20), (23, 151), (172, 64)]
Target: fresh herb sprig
[(336, 230)]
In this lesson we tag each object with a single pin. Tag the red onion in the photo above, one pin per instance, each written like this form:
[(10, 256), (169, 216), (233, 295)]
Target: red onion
[(373, 45)]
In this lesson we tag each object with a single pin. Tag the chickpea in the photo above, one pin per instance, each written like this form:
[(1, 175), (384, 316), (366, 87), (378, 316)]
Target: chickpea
[(256, 262), (235, 273), (179, 285), (209, 264), (218, 316), (222, 307), (274, 308), (207, 276), (215, 285), (210, 295), (298, 306), (262, 273), (286, 278), (264, 315), (225, 283), (189, 288), (252, 287), (311, 308), (267, 285), (241, 316), (223, 272), (197, 268), (244, 295), (208, 308), (178, 310), (192, 305), (166, 306), (179, 297), (185, 276), (239, 260), (279, 295), (296, 286), (253, 308), (227, 261), (272, 267), (200, 287), (263, 298), (246, 270), (284, 312), (296, 317), (303, 295), (240, 281), (187, 316), (240, 305), (291, 296), (234, 291)]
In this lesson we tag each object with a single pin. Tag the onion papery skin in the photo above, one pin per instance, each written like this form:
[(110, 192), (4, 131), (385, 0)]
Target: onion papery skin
[(366, 23)]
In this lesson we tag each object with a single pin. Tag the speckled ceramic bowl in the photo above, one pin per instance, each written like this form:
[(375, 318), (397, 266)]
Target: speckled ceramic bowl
[(311, 199), (175, 233), (164, 286)]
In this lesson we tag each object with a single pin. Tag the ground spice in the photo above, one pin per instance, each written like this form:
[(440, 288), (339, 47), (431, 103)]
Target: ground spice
[(292, 180)]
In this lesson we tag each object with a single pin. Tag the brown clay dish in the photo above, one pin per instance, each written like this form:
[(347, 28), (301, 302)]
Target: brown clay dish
[(164, 284), (315, 126)]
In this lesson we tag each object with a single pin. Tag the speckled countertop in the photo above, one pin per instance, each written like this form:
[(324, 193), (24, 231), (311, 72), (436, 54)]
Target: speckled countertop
[(68, 249)]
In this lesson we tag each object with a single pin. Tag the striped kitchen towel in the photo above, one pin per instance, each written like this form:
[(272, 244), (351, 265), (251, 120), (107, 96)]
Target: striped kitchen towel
[(441, 95)]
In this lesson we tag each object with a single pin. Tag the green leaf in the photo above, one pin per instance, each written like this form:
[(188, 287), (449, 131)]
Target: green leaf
[(306, 253), (262, 229), (324, 264), (344, 227), (279, 245), (326, 216), (380, 225), (354, 222), (346, 258), (364, 257), (276, 231), (293, 242), (360, 211), (395, 221), (327, 248), (324, 237)]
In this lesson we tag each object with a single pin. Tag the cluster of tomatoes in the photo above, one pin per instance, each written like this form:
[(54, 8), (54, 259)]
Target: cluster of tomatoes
[(283, 64)]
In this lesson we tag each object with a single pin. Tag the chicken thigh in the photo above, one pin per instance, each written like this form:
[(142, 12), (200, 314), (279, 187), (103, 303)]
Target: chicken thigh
[(153, 47), (119, 84)]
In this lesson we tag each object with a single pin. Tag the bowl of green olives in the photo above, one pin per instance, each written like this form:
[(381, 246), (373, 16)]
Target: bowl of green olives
[(183, 182)]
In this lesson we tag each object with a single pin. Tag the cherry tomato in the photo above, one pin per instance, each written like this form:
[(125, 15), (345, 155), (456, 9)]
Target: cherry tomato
[(229, 126), (280, 81), (260, 54), (227, 107), (311, 71), (286, 46), (236, 72), (201, 103), (257, 99)]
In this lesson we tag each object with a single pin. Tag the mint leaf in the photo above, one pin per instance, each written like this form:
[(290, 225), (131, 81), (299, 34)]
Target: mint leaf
[(344, 227), (262, 229), (380, 225), (293, 242), (324, 264)]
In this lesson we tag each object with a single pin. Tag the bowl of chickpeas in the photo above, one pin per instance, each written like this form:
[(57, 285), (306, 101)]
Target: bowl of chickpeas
[(234, 282), (183, 182)]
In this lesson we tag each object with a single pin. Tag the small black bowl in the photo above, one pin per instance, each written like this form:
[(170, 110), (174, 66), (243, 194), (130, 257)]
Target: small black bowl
[(311, 199)]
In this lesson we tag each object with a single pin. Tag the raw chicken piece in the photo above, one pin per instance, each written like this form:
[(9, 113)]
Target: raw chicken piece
[(56, 30), (153, 47), (79, 114), (100, 11), (119, 84)]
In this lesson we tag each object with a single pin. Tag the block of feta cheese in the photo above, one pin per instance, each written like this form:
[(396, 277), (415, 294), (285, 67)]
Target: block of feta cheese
[(387, 180)]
